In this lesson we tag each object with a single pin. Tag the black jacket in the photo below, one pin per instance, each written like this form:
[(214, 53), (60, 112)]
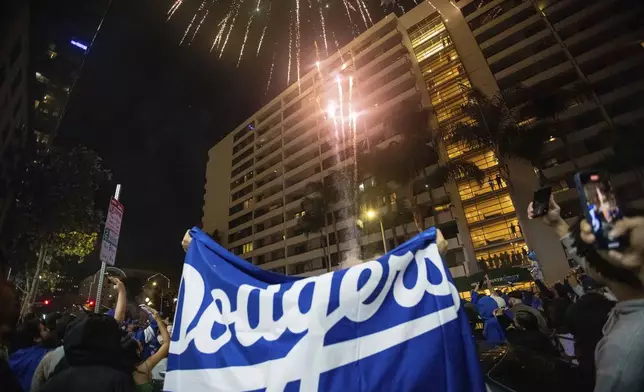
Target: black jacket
[(93, 359)]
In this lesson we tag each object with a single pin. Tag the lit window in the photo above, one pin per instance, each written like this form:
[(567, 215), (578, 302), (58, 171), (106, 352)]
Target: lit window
[(247, 247), (441, 207), (248, 203)]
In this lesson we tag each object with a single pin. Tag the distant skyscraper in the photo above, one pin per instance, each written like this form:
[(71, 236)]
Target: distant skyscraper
[(14, 107), (61, 35), (42, 48)]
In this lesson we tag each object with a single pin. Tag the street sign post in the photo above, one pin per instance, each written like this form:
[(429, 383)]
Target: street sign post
[(111, 233), (110, 241)]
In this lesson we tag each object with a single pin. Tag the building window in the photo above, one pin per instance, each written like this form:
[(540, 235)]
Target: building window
[(248, 203), (247, 247)]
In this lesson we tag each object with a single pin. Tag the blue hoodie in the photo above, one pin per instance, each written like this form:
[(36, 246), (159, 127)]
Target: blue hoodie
[(492, 329), (23, 364)]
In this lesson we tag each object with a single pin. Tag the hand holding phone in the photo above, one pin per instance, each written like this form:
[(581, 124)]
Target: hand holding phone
[(541, 201), (602, 212)]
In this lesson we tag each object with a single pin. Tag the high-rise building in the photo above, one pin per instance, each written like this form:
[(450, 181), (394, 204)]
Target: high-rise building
[(428, 58), (14, 109), (42, 49), (61, 37)]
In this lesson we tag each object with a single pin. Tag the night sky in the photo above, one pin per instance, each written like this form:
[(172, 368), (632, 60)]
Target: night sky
[(152, 110)]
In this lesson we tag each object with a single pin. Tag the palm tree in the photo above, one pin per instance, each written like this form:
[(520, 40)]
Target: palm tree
[(490, 123), (494, 122), (316, 207), (399, 164)]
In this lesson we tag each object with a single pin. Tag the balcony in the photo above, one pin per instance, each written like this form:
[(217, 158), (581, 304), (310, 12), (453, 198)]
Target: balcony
[(390, 90), (501, 23), (377, 63), (271, 178)]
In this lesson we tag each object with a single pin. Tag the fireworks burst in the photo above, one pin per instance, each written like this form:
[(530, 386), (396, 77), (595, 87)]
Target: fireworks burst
[(240, 24)]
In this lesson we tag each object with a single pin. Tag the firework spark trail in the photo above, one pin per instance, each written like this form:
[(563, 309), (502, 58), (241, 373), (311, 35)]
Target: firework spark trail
[(241, 51), (232, 24), (353, 117), (185, 33), (364, 19), (346, 7), (340, 98), (337, 46), (220, 33), (261, 38), (326, 46), (270, 75), (174, 9), (366, 10), (297, 37), (205, 15), (290, 47)]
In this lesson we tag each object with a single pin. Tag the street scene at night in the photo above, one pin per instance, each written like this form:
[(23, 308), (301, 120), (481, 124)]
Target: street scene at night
[(321, 195)]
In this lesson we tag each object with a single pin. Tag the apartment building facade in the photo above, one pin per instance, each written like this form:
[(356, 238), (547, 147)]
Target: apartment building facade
[(559, 43), (427, 58), (14, 107)]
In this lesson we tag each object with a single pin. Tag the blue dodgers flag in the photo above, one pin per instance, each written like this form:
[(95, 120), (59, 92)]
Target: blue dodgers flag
[(392, 324)]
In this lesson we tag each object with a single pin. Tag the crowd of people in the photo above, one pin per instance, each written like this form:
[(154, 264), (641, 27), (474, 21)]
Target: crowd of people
[(123, 350), (593, 317)]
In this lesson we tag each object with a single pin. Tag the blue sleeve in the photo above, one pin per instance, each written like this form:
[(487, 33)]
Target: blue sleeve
[(493, 332), (475, 297), (111, 313)]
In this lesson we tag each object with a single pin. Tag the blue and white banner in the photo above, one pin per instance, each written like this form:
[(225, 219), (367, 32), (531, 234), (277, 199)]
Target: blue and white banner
[(392, 324)]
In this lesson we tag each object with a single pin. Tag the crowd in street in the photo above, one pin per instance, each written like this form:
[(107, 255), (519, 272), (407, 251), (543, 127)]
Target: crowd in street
[(123, 350), (593, 317)]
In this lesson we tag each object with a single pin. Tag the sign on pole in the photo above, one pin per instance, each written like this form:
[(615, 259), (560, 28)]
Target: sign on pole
[(111, 233), (110, 241)]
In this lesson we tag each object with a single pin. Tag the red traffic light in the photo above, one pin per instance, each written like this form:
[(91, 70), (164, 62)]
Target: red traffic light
[(46, 302), (91, 303)]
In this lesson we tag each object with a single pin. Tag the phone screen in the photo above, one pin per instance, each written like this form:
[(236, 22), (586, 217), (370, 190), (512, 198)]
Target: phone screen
[(602, 210), (541, 200)]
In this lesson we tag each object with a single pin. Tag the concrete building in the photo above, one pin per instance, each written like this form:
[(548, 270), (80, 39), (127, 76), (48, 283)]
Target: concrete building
[(429, 57), (14, 107)]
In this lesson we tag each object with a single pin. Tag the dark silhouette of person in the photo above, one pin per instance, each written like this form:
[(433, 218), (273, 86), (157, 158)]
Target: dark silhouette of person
[(497, 262), (491, 183), (499, 183)]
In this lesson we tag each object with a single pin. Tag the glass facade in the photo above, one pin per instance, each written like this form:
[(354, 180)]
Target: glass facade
[(494, 228)]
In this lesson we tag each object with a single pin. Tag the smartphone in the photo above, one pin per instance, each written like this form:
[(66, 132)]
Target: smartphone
[(600, 207), (541, 201)]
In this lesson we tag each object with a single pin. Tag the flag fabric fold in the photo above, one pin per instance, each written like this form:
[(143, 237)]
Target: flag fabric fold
[(391, 324)]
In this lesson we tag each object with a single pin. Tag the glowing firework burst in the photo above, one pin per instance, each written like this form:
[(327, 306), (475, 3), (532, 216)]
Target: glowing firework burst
[(283, 34)]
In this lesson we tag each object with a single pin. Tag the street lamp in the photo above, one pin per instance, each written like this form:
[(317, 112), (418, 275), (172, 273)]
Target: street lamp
[(154, 283), (373, 215)]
